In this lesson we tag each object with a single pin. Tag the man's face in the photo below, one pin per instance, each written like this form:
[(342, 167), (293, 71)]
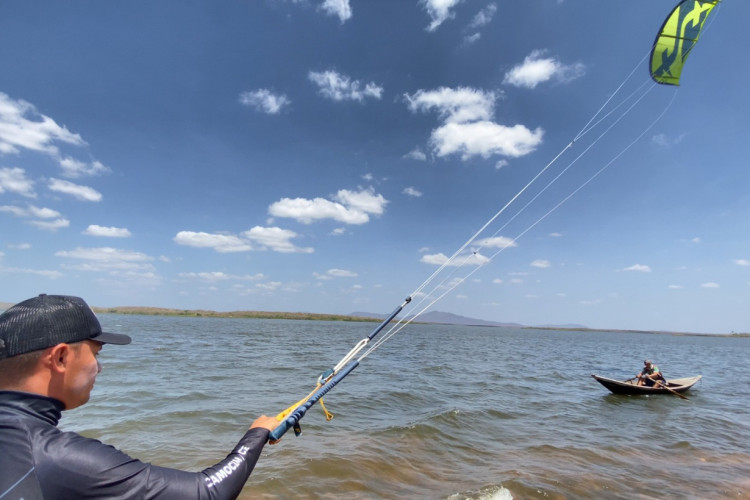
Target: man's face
[(82, 372)]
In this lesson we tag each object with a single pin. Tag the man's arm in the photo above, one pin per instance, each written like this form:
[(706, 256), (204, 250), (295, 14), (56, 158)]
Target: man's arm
[(73, 466)]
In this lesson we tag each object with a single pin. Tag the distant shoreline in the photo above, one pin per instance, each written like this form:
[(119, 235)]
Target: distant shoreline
[(198, 313), (159, 311)]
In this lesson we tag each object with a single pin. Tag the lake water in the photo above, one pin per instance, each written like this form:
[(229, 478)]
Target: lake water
[(437, 412)]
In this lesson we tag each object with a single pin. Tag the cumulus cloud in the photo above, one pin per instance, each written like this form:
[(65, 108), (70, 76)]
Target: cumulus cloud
[(481, 19), (484, 139), (497, 242), (340, 8), (541, 264), (221, 276), (742, 262), (108, 232), (440, 259), (439, 11), (467, 129), (638, 267), (256, 239), (265, 101), (23, 127), (484, 16), (222, 243), (14, 180), (46, 214), (19, 246), (73, 168), (335, 273), (458, 105), (349, 207), (53, 225), (83, 193), (31, 211), (536, 69), (37, 272), (410, 191), (338, 87), (107, 259), (275, 238), (416, 154)]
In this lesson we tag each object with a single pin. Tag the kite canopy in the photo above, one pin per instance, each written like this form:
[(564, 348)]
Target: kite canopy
[(677, 37)]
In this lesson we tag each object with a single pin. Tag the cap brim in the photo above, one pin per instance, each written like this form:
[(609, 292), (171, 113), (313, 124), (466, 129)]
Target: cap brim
[(112, 338)]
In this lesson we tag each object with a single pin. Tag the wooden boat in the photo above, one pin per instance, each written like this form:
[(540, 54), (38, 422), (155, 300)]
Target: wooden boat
[(675, 385)]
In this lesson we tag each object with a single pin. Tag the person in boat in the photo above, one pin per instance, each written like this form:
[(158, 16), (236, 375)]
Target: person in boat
[(650, 375), (48, 363)]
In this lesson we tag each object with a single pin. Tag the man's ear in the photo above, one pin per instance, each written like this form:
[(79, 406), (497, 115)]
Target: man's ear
[(58, 357)]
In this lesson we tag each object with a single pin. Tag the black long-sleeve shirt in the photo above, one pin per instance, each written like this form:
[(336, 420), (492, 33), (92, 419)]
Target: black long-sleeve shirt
[(39, 461)]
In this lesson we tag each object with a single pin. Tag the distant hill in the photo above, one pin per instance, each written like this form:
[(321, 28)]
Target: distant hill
[(443, 318)]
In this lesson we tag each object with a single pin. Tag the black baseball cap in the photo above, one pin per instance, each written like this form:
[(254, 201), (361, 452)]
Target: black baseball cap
[(47, 320)]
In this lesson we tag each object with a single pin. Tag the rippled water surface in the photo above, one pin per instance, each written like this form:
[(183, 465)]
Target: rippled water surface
[(437, 412)]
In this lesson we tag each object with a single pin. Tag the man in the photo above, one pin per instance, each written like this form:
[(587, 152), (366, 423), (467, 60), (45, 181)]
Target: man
[(650, 375), (48, 350)]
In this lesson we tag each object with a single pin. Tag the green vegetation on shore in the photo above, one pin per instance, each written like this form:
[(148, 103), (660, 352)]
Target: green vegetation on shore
[(160, 311)]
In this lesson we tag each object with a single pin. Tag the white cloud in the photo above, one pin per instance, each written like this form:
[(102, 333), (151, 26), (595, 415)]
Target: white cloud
[(222, 243), (365, 200), (22, 127), (416, 154), (109, 232), (439, 259), (663, 141), (265, 101), (638, 267), (19, 246), (276, 239), (221, 276), (439, 11), (459, 105), (73, 168), (497, 242), (484, 16), (536, 69), (467, 129), (39, 213), (742, 262), (51, 225), (38, 272), (410, 191), (341, 273), (108, 259), (14, 180), (710, 285), (541, 263), (485, 139), (31, 211), (338, 87), (349, 207), (469, 39), (340, 8), (83, 193)]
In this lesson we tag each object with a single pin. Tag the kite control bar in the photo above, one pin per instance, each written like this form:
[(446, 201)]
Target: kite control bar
[(333, 377)]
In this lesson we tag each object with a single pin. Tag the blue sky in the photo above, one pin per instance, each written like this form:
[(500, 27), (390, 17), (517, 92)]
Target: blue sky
[(329, 155)]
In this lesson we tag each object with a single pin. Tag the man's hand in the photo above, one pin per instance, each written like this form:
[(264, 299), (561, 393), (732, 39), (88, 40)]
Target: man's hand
[(266, 422)]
